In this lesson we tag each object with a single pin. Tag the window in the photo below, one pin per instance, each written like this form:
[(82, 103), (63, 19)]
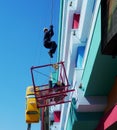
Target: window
[(80, 56), (32, 112), (76, 18)]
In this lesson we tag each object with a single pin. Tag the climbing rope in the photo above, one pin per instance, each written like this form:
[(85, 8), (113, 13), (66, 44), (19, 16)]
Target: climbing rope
[(51, 17), (51, 20), (50, 63)]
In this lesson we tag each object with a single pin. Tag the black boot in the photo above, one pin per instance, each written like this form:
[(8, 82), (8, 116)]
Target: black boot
[(50, 54)]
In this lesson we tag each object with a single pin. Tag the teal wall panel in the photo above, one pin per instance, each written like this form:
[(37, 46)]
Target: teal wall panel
[(100, 70), (83, 120), (94, 46)]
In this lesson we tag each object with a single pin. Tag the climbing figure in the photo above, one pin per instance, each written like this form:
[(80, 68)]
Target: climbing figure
[(58, 86), (47, 40)]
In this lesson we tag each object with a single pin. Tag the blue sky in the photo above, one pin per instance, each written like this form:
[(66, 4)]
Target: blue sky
[(21, 46)]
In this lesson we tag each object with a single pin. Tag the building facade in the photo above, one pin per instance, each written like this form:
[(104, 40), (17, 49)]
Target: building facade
[(90, 66)]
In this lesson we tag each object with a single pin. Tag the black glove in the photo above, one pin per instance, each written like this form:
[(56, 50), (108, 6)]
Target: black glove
[(51, 26)]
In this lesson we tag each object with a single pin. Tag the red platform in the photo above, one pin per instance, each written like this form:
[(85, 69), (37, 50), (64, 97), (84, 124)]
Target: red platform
[(47, 96)]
